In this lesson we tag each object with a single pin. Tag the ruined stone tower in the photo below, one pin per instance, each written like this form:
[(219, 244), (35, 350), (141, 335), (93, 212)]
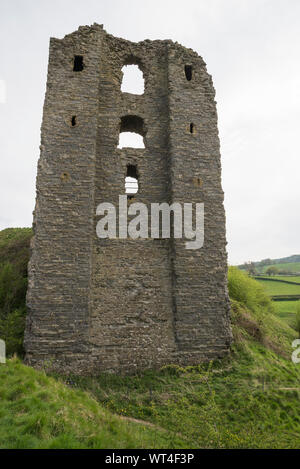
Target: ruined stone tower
[(124, 304)]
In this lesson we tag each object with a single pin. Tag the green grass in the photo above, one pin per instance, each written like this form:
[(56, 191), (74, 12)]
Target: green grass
[(289, 266), (250, 399), (279, 288), (38, 411), (286, 310), (247, 400), (292, 278)]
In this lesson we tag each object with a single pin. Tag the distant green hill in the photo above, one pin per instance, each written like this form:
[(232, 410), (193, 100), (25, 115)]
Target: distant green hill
[(290, 264), (293, 267)]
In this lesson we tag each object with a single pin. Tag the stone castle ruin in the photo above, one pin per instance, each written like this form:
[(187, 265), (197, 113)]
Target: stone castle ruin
[(125, 304)]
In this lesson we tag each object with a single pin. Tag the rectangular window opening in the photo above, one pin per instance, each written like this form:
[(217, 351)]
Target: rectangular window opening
[(188, 72), (78, 63)]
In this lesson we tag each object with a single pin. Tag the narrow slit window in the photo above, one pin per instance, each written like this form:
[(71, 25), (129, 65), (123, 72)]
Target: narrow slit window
[(131, 181), (188, 72), (78, 63), (192, 128), (73, 121)]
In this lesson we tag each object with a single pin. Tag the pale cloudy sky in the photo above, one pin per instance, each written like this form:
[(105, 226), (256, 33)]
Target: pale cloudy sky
[(252, 50)]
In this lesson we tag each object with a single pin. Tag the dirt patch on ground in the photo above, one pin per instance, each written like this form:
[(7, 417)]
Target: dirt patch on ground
[(252, 327), (246, 322), (142, 422)]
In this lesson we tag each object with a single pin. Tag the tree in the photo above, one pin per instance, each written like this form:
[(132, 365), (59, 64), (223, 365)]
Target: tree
[(272, 271), (250, 267), (265, 262)]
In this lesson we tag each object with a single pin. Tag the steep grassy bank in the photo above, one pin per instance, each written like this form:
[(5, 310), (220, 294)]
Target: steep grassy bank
[(251, 399), (37, 411)]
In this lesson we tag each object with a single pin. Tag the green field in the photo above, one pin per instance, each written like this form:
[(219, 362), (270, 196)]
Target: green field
[(289, 278), (286, 310), (290, 266), (279, 288)]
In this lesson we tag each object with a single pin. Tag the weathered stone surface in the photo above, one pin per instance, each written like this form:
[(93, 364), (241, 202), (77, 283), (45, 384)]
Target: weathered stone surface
[(123, 305)]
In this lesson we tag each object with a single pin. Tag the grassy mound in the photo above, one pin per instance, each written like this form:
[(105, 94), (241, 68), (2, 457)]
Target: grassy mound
[(250, 399), (37, 411)]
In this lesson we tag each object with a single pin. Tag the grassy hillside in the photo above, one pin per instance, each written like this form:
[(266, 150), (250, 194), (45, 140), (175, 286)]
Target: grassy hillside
[(284, 265), (247, 400), (288, 266), (37, 411), (250, 399)]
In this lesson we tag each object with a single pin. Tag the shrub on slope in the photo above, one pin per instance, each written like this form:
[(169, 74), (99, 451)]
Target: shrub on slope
[(14, 256)]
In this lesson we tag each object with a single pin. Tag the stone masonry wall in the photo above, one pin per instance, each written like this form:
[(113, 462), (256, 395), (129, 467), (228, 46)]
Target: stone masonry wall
[(123, 304)]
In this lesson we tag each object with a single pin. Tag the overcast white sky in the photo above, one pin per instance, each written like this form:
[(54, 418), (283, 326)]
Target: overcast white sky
[(252, 50)]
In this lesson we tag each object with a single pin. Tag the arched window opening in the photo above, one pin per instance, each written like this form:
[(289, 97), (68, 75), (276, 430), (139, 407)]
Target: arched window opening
[(131, 181), (132, 131), (188, 69), (73, 121), (192, 128), (133, 79)]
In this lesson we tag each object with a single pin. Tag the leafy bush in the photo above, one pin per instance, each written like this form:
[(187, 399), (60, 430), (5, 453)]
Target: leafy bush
[(12, 331), (12, 289), (247, 291), (14, 256)]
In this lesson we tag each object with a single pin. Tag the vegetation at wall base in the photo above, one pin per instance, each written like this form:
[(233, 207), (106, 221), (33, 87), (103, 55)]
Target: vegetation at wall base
[(249, 399), (14, 257)]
